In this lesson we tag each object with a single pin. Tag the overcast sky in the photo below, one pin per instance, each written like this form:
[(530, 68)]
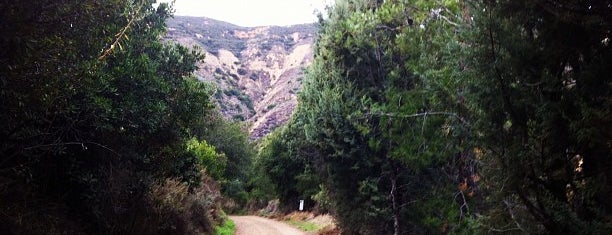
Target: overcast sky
[(252, 12)]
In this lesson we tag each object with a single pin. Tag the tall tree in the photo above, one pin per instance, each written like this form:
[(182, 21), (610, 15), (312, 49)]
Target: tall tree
[(95, 115), (541, 91), (381, 119), (230, 139), (285, 160)]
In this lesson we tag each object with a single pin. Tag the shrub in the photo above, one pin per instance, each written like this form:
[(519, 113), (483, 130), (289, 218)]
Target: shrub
[(247, 101), (232, 92), (180, 211), (227, 228), (242, 71), (213, 162), (238, 117)]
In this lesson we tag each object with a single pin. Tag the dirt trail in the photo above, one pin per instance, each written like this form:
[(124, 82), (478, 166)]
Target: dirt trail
[(253, 225)]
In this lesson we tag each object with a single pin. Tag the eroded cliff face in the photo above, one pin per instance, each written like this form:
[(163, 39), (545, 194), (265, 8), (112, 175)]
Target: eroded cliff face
[(257, 71)]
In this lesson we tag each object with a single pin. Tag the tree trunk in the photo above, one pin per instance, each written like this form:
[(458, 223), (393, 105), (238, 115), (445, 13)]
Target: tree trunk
[(396, 228)]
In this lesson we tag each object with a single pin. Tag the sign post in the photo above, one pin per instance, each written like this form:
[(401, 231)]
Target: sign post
[(301, 205)]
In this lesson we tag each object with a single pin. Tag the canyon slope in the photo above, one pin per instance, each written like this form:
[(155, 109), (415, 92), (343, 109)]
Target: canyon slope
[(256, 71)]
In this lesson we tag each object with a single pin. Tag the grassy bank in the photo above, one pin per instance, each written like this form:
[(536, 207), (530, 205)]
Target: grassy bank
[(306, 221), (227, 228)]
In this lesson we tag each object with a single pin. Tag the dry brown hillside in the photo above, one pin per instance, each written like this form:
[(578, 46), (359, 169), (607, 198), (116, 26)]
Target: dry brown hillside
[(257, 71)]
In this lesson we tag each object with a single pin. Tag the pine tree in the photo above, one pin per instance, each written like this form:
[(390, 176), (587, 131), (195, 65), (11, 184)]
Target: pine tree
[(541, 94), (380, 118)]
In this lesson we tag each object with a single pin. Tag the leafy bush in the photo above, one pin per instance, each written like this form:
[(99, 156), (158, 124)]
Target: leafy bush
[(234, 144), (94, 142), (238, 117), (227, 228), (213, 162)]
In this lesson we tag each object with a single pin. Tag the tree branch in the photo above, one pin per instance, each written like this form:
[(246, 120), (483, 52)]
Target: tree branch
[(121, 34), (449, 21), (425, 114), (74, 143), (512, 216), (463, 205)]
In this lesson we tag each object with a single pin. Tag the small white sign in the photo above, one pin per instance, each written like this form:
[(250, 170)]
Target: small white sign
[(301, 205)]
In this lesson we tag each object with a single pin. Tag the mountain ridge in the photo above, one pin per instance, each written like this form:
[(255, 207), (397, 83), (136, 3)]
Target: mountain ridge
[(257, 71)]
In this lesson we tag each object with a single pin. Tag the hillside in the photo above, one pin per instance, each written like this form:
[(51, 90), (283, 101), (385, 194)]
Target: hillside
[(257, 71)]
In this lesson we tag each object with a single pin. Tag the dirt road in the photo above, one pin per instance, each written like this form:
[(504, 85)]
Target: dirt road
[(253, 225)]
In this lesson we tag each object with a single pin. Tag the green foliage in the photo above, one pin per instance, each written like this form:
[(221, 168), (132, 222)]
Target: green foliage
[(246, 100), (95, 114), (540, 88), (304, 225), (407, 105), (242, 97), (231, 140), (227, 228), (282, 160), (214, 163), (375, 105)]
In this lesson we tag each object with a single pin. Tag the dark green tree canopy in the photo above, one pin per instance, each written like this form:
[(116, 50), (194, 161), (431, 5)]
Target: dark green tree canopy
[(542, 91), (96, 112), (456, 116)]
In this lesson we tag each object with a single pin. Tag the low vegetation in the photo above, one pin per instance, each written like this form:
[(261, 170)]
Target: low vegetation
[(227, 228), (304, 225), (214, 36), (309, 222)]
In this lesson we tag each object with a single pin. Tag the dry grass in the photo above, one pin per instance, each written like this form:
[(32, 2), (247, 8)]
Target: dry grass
[(185, 212), (318, 224)]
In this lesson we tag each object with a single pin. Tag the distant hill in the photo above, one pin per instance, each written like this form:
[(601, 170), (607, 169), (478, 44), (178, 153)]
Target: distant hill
[(257, 71)]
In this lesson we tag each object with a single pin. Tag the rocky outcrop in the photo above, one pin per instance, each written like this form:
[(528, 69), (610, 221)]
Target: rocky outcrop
[(257, 72)]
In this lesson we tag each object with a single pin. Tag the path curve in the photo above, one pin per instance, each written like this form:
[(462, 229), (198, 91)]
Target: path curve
[(253, 225)]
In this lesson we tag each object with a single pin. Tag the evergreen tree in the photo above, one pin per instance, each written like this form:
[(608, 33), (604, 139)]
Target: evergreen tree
[(381, 119), (541, 94), (285, 160), (460, 117)]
